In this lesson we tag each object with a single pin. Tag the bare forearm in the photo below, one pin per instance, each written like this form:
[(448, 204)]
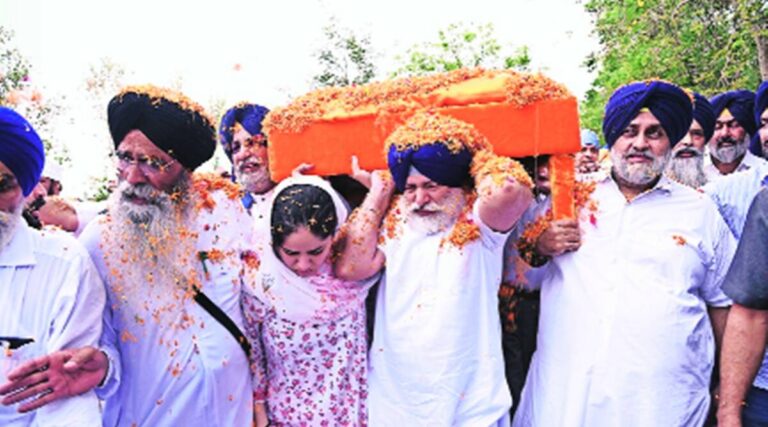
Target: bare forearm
[(743, 348), (718, 317), (358, 258)]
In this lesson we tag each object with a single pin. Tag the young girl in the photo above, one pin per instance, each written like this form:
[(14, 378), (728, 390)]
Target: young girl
[(307, 327)]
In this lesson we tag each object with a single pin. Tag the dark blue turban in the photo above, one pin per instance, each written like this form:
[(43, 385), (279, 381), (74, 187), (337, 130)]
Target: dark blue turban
[(249, 116), (21, 150), (761, 102), (435, 161), (704, 114), (669, 104), (181, 131), (741, 104)]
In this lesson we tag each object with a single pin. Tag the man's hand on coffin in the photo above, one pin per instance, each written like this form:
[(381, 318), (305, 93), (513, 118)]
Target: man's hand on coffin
[(561, 236)]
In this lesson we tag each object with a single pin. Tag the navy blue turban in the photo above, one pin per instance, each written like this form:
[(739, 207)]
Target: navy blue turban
[(21, 149), (761, 101), (704, 114), (761, 104), (182, 132), (741, 104), (669, 104), (435, 161), (249, 116)]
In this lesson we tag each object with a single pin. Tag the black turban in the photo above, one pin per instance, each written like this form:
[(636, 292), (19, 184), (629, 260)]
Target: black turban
[(172, 122)]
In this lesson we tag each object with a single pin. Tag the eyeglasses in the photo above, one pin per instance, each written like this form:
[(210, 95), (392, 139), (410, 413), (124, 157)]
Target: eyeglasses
[(147, 165), (8, 182)]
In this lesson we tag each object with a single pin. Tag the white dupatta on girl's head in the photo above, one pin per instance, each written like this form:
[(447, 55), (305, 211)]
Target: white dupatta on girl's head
[(317, 299)]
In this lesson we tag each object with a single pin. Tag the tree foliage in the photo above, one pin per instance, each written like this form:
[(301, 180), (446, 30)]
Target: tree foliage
[(704, 45), (346, 58), (17, 91), (461, 45)]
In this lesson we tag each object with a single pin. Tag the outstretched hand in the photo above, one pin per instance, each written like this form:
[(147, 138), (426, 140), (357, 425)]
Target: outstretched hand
[(59, 375)]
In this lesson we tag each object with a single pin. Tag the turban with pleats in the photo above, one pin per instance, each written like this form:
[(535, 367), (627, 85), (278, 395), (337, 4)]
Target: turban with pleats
[(249, 116), (741, 104), (169, 119), (21, 149), (704, 114), (670, 104)]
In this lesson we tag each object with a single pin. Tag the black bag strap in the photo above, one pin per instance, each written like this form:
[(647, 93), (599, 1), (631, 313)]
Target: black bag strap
[(225, 321)]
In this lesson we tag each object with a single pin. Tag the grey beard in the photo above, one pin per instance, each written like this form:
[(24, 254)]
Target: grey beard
[(730, 154), (447, 214), (9, 222), (642, 174), (153, 223), (152, 247), (687, 171), (256, 182)]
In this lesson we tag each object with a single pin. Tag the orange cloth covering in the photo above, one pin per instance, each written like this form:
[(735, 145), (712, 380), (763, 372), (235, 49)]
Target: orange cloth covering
[(521, 115)]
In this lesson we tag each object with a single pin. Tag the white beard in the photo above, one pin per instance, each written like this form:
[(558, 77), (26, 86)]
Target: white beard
[(688, 171), (730, 154), (447, 213), (151, 254), (9, 222), (639, 174), (256, 182)]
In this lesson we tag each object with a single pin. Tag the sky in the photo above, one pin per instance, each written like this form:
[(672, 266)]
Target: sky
[(264, 52)]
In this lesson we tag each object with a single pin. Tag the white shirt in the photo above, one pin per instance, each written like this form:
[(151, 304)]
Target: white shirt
[(733, 194), (749, 161), (624, 335), (50, 292), (259, 211), (436, 357), (206, 380)]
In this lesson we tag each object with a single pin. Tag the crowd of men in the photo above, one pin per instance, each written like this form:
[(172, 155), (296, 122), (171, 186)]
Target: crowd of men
[(650, 308)]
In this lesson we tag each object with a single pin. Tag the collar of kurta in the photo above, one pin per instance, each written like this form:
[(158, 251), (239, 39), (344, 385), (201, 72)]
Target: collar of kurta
[(20, 250), (664, 185)]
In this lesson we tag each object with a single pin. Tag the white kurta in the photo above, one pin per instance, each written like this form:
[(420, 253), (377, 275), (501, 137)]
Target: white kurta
[(436, 357), (50, 292), (624, 334), (205, 379), (259, 211)]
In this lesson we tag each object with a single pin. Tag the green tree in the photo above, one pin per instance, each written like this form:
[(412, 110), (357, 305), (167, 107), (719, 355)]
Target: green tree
[(461, 45), (707, 46), (17, 91), (346, 59)]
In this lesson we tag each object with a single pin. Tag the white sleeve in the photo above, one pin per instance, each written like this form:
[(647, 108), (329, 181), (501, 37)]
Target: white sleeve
[(77, 323)]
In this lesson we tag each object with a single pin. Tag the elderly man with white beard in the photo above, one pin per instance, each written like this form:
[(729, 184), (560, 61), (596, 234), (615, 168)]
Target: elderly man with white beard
[(244, 142), (631, 305), (169, 250), (734, 127), (436, 356), (687, 163), (51, 297)]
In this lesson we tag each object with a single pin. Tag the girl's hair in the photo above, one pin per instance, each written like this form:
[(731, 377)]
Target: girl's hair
[(302, 205)]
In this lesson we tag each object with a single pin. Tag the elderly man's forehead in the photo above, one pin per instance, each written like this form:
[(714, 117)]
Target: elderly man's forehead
[(646, 117), (727, 120), (136, 142)]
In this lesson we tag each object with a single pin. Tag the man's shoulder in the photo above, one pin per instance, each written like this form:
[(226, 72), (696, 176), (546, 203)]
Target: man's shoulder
[(58, 244)]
